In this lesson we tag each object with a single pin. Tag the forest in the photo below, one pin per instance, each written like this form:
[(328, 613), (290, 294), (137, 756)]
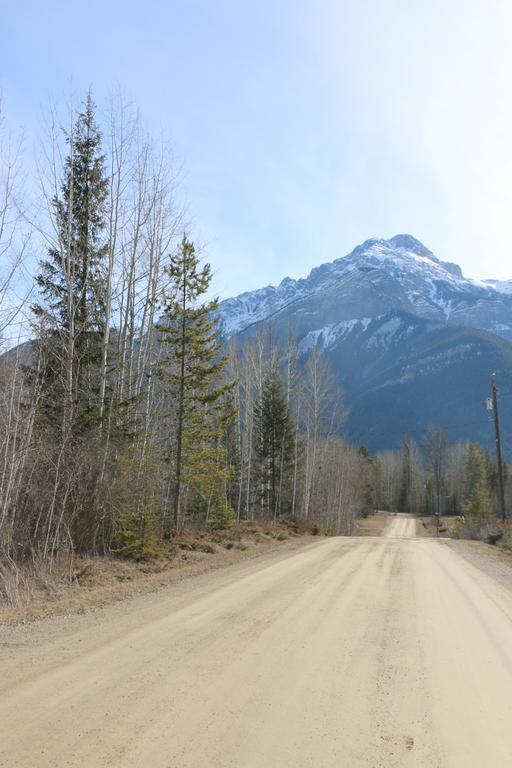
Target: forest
[(125, 416)]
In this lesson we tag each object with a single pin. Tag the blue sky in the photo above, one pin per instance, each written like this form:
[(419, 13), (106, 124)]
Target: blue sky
[(304, 126)]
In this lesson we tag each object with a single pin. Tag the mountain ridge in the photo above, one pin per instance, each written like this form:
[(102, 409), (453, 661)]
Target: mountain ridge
[(410, 340), (439, 285)]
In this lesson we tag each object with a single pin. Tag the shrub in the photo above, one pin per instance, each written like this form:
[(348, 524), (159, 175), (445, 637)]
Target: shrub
[(221, 514), (136, 535)]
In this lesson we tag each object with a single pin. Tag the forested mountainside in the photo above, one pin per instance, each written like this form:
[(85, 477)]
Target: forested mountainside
[(408, 337)]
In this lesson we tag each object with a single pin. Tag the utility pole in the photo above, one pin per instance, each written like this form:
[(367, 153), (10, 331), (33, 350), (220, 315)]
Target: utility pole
[(498, 446)]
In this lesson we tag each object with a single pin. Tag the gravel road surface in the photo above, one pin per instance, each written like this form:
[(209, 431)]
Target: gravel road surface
[(390, 651)]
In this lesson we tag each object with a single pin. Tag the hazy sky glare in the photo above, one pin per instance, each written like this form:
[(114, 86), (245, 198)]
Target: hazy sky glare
[(304, 126)]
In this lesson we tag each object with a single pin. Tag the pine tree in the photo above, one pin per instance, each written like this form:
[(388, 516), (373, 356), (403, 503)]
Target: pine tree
[(405, 496), (478, 505), (370, 470), (275, 442), (191, 369), (134, 493), (71, 280)]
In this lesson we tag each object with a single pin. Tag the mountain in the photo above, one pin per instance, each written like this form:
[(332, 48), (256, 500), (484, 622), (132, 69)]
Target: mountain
[(410, 339), (403, 372), (379, 275)]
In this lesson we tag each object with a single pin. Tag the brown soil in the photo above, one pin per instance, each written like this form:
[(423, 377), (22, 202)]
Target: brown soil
[(85, 583), (427, 526), (373, 525)]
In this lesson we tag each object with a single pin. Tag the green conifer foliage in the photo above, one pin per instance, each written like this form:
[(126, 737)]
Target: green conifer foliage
[(275, 443), (191, 369), (71, 280), (220, 514), (134, 493), (478, 507), (404, 499)]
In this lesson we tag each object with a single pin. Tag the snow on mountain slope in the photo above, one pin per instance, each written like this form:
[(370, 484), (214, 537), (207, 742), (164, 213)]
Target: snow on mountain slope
[(332, 333), (254, 306), (501, 286), (379, 275), (409, 339)]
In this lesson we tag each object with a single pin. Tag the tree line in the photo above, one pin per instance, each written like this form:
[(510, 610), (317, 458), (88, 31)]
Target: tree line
[(125, 416), (437, 477)]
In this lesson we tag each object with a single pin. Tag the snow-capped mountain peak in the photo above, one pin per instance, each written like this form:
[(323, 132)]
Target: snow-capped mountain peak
[(378, 275), (409, 243), (402, 332)]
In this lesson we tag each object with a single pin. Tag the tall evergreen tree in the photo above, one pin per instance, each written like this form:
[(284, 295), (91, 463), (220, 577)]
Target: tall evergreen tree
[(275, 442), (191, 369), (436, 455), (371, 469), (478, 505), (405, 495), (72, 278)]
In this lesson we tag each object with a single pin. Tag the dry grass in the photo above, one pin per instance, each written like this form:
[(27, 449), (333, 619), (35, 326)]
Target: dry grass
[(373, 525), (84, 583), (427, 526), (492, 533)]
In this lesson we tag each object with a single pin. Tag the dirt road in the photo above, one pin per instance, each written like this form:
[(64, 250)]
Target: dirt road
[(384, 652)]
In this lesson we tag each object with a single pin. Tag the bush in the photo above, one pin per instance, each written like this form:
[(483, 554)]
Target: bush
[(476, 531), (221, 514), (478, 507), (136, 535)]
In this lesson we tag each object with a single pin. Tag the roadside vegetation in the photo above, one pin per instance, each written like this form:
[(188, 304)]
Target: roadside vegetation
[(125, 419), (65, 585), (454, 488)]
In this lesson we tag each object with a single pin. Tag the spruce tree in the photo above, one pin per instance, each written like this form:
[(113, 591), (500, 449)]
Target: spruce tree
[(478, 505), (371, 471), (71, 279), (405, 495), (191, 369), (275, 442)]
